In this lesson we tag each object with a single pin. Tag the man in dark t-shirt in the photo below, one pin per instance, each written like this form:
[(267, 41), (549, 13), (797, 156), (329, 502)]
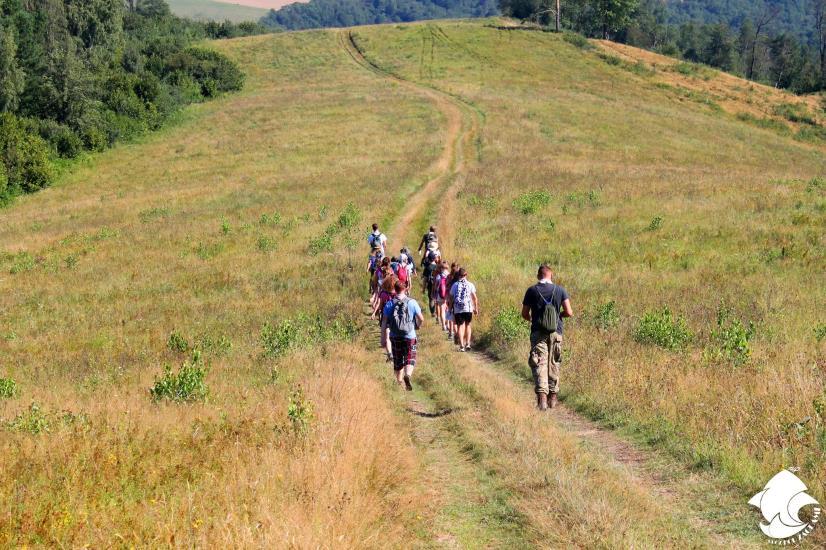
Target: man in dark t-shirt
[(546, 347)]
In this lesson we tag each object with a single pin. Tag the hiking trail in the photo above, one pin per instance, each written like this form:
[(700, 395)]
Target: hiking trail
[(463, 400)]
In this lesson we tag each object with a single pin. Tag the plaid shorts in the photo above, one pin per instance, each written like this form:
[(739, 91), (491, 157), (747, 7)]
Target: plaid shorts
[(404, 352)]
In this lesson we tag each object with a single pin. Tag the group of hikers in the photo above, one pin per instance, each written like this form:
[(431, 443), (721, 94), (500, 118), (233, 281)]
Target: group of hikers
[(452, 301)]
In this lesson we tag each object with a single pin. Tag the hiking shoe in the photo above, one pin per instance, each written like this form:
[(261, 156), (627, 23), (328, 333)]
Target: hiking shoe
[(407, 385), (389, 357), (554, 401), (461, 348), (542, 402)]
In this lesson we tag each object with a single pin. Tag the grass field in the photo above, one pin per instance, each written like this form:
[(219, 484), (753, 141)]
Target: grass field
[(213, 10), (239, 232)]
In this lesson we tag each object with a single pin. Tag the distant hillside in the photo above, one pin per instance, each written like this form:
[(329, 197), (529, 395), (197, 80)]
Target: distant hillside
[(792, 16), (210, 10), (345, 13)]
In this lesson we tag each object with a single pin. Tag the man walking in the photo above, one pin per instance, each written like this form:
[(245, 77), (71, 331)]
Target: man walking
[(402, 316), (377, 239), (544, 305), (429, 242), (464, 304)]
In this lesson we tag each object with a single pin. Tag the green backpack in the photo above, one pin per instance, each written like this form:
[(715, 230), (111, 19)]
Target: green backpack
[(549, 320)]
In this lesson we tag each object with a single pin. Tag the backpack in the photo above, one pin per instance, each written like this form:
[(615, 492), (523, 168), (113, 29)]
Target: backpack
[(400, 321), (442, 287), (549, 319), (403, 274), (374, 240)]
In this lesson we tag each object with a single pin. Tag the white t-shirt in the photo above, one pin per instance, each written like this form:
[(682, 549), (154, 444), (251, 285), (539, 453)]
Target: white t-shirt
[(382, 239), (462, 292)]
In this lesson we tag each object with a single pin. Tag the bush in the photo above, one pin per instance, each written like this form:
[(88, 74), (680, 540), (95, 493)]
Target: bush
[(25, 156), (188, 384), (820, 332), (63, 139), (532, 202), (655, 224), (576, 40), (177, 343), (732, 337), (303, 330), (662, 329), (299, 411), (795, 112), (508, 326), (213, 71), (8, 388), (606, 316)]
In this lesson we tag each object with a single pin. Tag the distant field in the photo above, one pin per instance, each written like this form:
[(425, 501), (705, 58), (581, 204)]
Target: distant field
[(205, 10)]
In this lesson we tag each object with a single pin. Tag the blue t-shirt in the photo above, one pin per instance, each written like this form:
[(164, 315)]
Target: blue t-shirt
[(412, 308)]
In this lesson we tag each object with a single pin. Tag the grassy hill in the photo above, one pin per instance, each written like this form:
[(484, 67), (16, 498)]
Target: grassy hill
[(239, 233), (211, 10)]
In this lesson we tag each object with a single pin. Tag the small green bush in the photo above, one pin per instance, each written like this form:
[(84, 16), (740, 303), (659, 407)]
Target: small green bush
[(532, 202), (607, 316), (33, 420), (350, 217), (226, 228), (661, 328), (8, 388), (655, 224), (278, 339), (323, 243), (577, 40), (299, 411), (811, 134), (266, 243), (188, 384), (508, 326), (820, 332), (795, 112), (150, 214), (767, 123), (270, 219), (731, 338), (23, 261), (177, 343)]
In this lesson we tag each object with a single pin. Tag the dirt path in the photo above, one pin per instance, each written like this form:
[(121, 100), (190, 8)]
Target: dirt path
[(446, 422)]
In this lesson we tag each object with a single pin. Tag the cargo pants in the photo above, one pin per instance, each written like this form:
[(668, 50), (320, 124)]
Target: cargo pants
[(545, 359)]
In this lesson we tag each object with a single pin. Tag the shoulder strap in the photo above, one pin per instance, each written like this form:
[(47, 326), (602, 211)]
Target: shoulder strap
[(553, 293)]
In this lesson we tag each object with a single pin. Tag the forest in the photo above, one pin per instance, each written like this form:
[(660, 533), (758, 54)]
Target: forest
[(757, 44), (345, 13), (81, 75)]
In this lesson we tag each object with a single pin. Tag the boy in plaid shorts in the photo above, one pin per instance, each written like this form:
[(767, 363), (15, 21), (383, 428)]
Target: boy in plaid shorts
[(402, 315)]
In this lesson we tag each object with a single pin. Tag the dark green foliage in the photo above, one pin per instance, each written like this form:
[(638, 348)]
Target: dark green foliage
[(577, 40), (509, 326), (820, 332), (177, 343), (661, 328), (345, 13), (83, 74), (188, 384)]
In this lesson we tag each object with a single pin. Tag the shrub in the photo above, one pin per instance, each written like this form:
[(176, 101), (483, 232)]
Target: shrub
[(811, 134), (767, 123), (820, 332), (324, 243), (23, 261), (177, 343), (795, 112), (270, 219), (576, 40), (732, 337), (299, 411), (226, 228), (266, 243), (661, 328), (33, 420), (8, 388), (188, 384), (655, 224), (508, 325), (532, 202), (25, 157), (350, 217), (293, 333), (152, 214), (606, 316), (213, 71)]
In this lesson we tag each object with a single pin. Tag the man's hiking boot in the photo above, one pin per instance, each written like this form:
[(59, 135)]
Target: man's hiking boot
[(553, 402), (407, 385), (542, 402)]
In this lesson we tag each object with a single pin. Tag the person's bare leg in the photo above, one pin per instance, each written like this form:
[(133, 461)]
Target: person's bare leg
[(468, 334)]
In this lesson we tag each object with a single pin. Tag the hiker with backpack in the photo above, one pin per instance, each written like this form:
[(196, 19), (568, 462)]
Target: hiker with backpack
[(372, 265), (544, 306), (452, 332), (402, 316), (440, 290), (429, 242), (377, 239), (465, 304), (428, 272)]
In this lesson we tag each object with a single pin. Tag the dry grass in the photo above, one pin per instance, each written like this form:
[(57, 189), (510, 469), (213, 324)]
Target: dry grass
[(740, 224), (98, 271)]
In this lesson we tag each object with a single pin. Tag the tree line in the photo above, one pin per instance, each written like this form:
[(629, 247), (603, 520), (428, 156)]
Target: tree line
[(754, 48), (80, 75), (346, 13)]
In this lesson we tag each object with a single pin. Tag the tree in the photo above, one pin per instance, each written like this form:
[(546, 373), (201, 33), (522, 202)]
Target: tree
[(12, 79), (613, 15), (785, 60), (719, 49), (819, 13)]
